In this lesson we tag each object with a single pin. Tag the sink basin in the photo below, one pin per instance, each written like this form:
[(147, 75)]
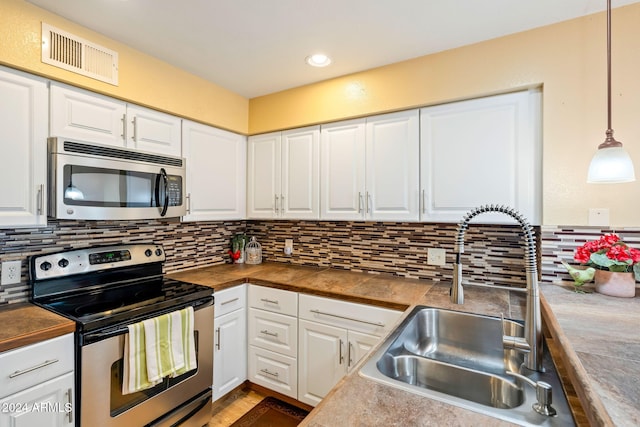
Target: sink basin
[(461, 339), (458, 358), (485, 389)]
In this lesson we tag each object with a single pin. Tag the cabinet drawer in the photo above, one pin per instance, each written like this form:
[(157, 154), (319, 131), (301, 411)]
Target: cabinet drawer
[(275, 300), (228, 300), (273, 331), (357, 317), (34, 364), (274, 371)]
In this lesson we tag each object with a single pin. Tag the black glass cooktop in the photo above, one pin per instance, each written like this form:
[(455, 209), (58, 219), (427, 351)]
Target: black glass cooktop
[(125, 302)]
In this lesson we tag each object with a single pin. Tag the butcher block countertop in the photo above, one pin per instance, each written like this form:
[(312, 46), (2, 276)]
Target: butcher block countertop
[(25, 323), (594, 335)]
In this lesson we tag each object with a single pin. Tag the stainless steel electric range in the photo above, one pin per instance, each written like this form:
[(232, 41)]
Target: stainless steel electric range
[(105, 289)]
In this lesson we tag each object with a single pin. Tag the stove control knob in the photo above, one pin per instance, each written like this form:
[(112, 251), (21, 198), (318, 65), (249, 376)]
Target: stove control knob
[(148, 252), (158, 252), (63, 262), (45, 266)]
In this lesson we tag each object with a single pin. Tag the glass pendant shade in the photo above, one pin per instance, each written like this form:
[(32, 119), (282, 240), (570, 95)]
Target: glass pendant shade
[(611, 165)]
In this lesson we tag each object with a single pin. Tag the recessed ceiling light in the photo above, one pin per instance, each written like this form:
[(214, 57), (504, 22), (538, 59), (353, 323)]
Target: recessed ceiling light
[(318, 60)]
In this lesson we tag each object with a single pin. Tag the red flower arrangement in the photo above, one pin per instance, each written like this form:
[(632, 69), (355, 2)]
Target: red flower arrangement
[(608, 253)]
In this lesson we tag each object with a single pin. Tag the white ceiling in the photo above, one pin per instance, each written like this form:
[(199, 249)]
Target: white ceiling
[(257, 47)]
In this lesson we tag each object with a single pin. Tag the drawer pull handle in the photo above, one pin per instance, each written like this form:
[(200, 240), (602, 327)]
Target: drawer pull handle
[(266, 371), (269, 301), (229, 301), (271, 334), (33, 368), (380, 324)]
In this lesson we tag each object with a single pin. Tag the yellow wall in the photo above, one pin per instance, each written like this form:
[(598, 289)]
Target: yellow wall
[(143, 79), (568, 59)]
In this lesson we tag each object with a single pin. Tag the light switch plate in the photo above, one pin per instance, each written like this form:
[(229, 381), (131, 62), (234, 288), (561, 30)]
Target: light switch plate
[(599, 217), (10, 272), (436, 256)]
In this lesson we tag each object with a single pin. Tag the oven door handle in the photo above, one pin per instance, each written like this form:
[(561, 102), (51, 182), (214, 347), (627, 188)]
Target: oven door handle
[(165, 183), (90, 337)]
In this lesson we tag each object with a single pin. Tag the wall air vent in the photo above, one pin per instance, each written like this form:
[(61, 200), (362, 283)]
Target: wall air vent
[(72, 53)]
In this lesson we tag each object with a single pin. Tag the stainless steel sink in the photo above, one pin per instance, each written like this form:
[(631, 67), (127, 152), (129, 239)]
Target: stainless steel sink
[(459, 358)]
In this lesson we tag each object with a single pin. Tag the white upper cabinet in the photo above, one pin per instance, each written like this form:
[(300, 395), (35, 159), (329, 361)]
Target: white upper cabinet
[(393, 167), (87, 116), (482, 151), (342, 189), (23, 144), (263, 186), (300, 185), (216, 172), (370, 168), (153, 131), (283, 174)]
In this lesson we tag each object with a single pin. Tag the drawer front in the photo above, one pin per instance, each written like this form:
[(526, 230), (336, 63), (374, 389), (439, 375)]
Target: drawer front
[(273, 331), (274, 300), (228, 300), (274, 371), (34, 364), (357, 317)]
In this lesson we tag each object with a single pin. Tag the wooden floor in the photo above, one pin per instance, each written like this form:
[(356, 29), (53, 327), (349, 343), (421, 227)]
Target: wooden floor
[(233, 406)]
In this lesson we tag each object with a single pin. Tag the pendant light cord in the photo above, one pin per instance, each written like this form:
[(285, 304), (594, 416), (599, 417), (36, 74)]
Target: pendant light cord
[(609, 140)]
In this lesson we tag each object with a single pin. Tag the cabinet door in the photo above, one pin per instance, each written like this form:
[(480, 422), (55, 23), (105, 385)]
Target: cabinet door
[(392, 153), (230, 352), (300, 192), (23, 144), (153, 131), (482, 151), (322, 360), (83, 115), (342, 154), (49, 404), (359, 346), (216, 173), (263, 175)]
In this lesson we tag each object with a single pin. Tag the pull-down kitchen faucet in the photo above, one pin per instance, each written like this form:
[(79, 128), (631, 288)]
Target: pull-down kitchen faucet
[(531, 345)]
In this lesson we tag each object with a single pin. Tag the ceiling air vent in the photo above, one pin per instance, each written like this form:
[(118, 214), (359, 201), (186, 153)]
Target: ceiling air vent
[(78, 55)]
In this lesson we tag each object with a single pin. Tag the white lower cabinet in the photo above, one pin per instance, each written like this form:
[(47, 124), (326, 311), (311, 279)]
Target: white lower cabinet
[(334, 336), (273, 339), (48, 404), (230, 340), (37, 384)]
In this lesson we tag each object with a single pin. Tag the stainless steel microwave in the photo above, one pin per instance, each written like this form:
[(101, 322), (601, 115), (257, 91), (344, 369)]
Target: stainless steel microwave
[(101, 182)]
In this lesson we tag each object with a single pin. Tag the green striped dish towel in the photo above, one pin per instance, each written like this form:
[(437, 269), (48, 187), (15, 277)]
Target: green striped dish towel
[(157, 348)]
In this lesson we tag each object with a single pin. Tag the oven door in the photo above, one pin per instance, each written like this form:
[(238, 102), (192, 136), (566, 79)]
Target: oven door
[(103, 404)]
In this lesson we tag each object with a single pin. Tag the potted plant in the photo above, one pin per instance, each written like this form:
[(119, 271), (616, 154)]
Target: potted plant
[(617, 265), (237, 248)]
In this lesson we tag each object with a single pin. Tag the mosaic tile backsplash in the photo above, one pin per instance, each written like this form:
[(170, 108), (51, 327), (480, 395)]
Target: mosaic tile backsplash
[(493, 253), (186, 245)]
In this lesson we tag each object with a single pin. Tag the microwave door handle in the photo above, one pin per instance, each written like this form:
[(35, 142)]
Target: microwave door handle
[(165, 182)]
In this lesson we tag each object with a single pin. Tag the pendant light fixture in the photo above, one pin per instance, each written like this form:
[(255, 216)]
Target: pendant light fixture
[(611, 164)]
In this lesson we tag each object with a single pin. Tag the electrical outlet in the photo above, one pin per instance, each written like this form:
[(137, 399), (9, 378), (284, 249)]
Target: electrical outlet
[(436, 256), (10, 272), (288, 246)]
